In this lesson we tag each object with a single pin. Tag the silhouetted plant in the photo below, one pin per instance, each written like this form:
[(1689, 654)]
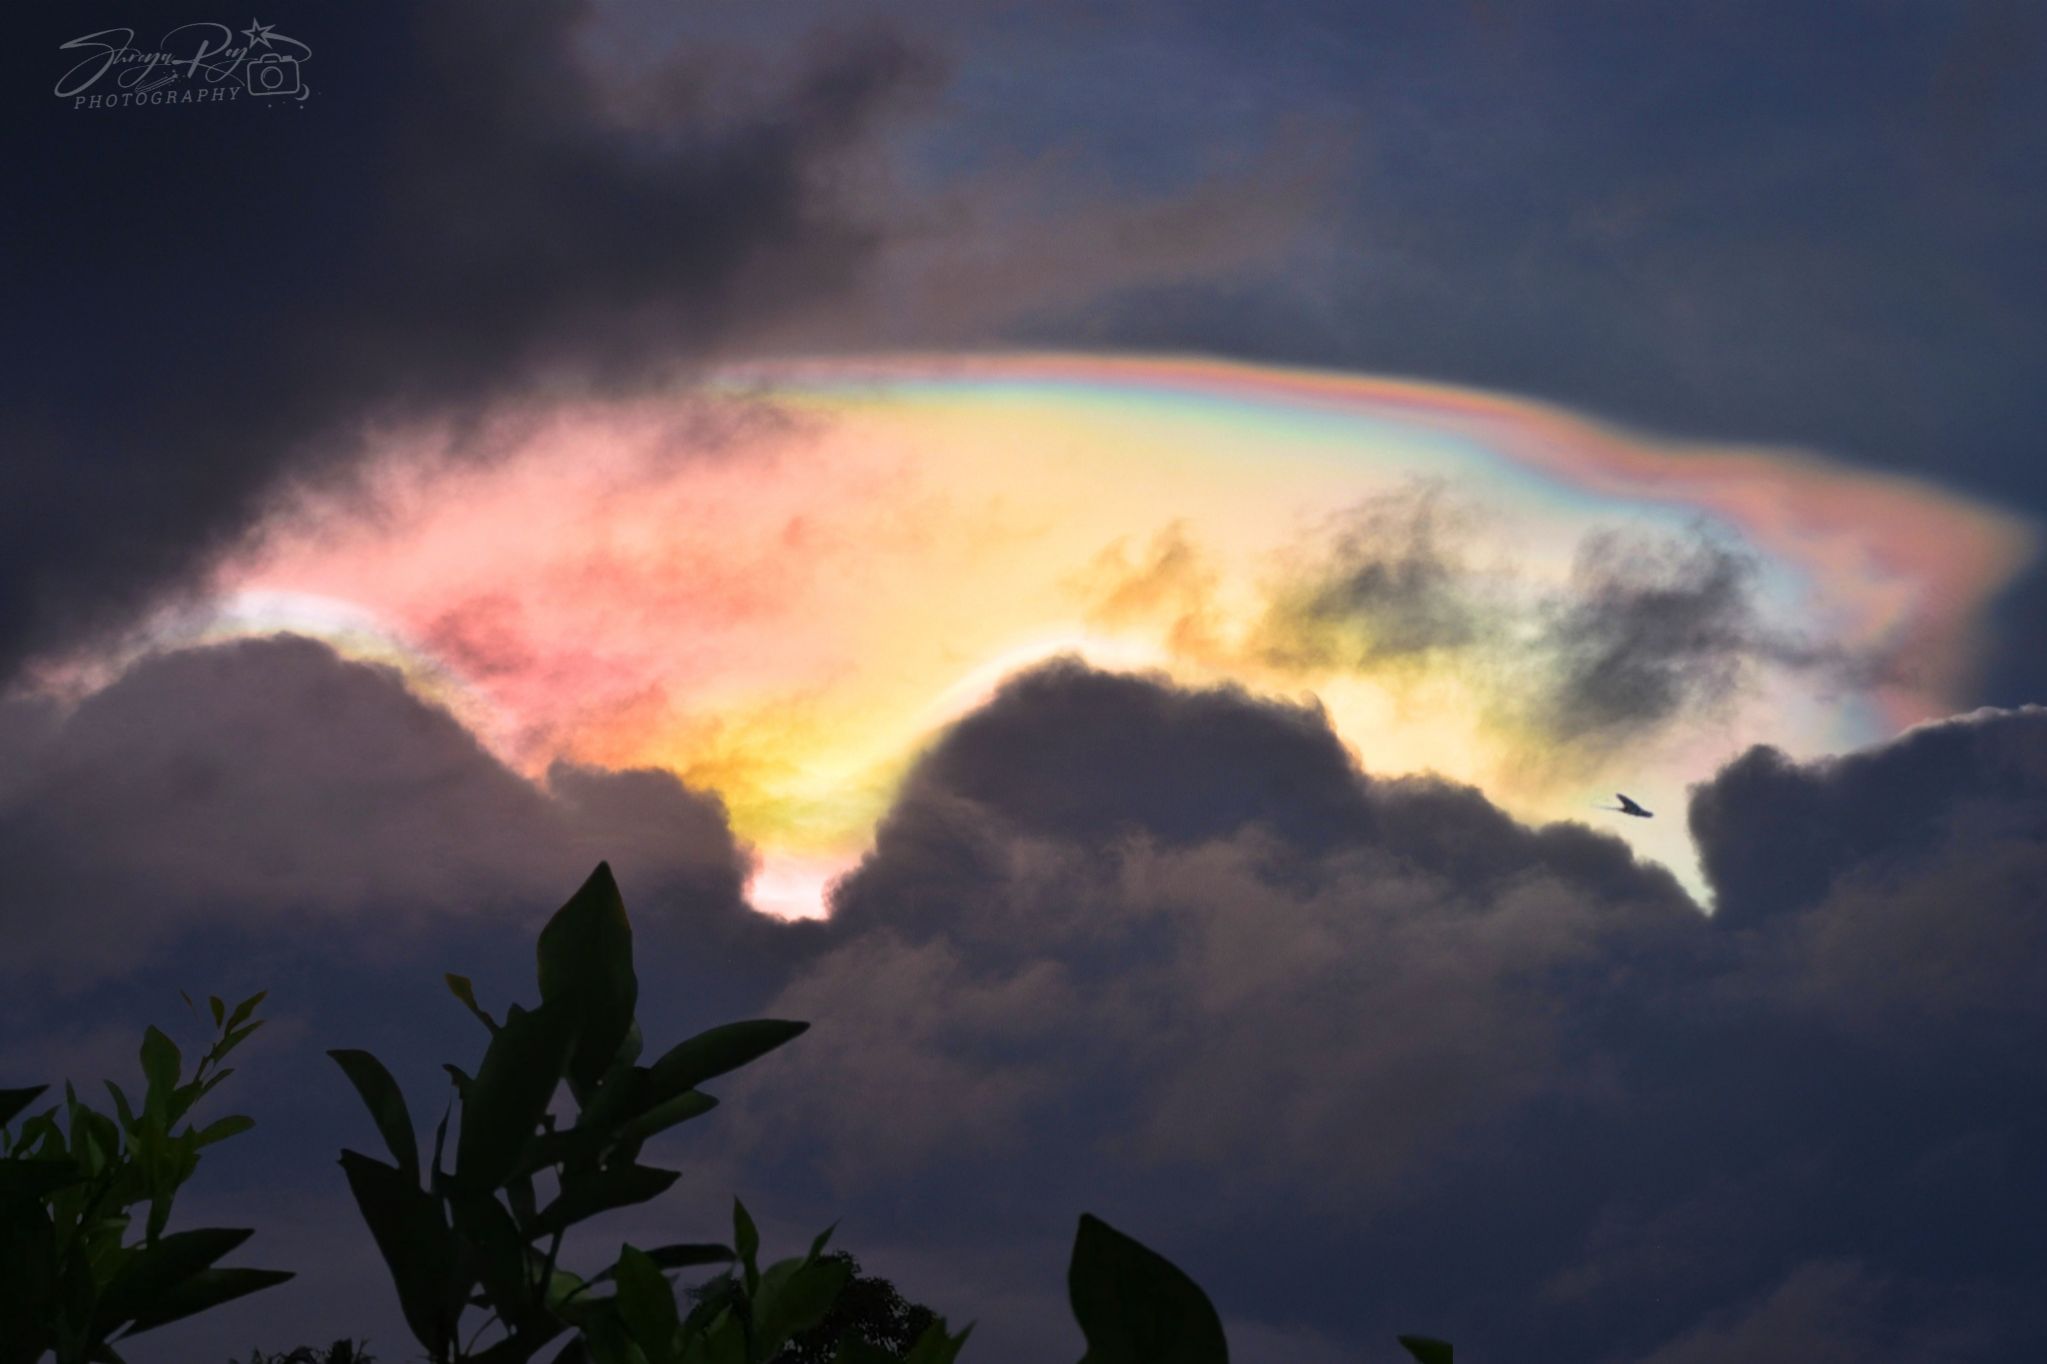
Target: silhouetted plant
[(70, 1283), (1137, 1307), (868, 1309), (454, 1243)]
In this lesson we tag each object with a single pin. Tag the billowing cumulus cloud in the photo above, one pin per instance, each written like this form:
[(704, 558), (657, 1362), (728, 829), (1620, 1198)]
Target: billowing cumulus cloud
[(1118, 941), (1911, 878), (1170, 955), (269, 784)]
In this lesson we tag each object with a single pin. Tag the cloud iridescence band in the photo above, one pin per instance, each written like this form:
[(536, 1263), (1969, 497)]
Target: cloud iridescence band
[(780, 584)]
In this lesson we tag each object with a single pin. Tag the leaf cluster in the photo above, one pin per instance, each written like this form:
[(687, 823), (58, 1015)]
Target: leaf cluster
[(72, 1284)]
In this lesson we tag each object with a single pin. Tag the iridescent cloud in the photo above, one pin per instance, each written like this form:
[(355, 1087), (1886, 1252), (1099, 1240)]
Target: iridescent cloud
[(779, 585)]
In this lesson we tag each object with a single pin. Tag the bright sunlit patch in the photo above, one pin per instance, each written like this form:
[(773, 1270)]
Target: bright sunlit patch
[(796, 887), (786, 610)]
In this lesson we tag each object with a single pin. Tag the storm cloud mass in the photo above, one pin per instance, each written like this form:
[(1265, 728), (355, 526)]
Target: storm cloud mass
[(270, 785), (1120, 942), (469, 216), (1514, 1078)]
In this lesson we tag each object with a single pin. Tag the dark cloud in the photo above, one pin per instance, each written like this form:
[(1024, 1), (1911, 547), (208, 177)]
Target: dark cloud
[(1172, 957), (1554, 1110), (1652, 628), (1393, 580), (463, 209), (1774, 835), (270, 786), (1909, 879), (1649, 629)]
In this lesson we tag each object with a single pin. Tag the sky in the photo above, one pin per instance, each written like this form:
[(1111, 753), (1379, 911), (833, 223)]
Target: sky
[(1113, 557)]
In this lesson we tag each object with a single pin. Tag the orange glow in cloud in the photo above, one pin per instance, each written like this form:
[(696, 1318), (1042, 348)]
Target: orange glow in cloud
[(781, 586)]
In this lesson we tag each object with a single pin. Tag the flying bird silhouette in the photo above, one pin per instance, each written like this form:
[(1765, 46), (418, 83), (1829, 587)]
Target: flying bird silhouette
[(1627, 807)]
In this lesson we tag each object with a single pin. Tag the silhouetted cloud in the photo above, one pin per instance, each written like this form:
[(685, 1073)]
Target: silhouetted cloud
[(1907, 878), (1118, 940), (1648, 629), (271, 785), (1380, 1023), (1393, 579), (1651, 628)]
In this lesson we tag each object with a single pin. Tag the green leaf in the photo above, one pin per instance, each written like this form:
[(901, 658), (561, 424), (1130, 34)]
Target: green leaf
[(245, 1008), (441, 1140), (629, 1049), (799, 1302), (604, 1336), (500, 1253), (380, 1093), (1135, 1306), (160, 1064), (662, 1116), (221, 1129), (103, 1139), (186, 1095), (203, 1291), (211, 1081), (460, 987), (1426, 1349), (27, 1180), (622, 1095), (746, 1241), (586, 1194), (586, 968), (505, 1102), (577, 1148), (681, 1255), (712, 1053), (12, 1101), (160, 1210), (121, 1105), (819, 1242), (936, 1347), (232, 1040), (219, 1009), (411, 1233), (519, 1193), (150, 1272), (647, 1303)]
